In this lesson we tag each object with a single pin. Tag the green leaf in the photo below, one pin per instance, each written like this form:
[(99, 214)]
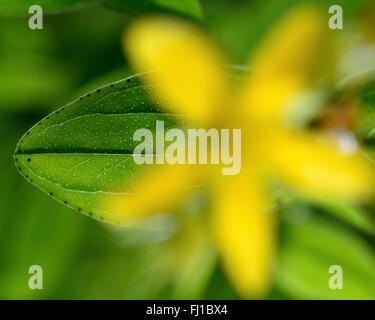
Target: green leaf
[(296, 208), (350, 214), (308, 251), (82, 153)]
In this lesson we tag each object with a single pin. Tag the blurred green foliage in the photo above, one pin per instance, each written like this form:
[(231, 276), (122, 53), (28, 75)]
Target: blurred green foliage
[(78, 50), (21, 7)]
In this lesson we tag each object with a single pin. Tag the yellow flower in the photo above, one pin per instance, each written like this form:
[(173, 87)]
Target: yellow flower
[(191, 79)]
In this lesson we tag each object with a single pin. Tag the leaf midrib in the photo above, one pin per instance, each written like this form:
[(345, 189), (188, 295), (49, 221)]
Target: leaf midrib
[(96, 153)]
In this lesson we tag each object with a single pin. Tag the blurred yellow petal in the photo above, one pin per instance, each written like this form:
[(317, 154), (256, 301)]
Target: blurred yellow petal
[(285, 62), (188, 69), (267, 104), (292, 47), (155, 191), (318, 168), (245, 234)]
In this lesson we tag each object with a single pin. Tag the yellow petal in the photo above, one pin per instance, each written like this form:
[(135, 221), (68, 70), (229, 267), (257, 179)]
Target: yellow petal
[(154, 191), (188, 69), (318, 168), (285, 62), (245, 235)]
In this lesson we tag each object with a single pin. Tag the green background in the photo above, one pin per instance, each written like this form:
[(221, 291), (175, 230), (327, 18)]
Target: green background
[(78, 50)]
